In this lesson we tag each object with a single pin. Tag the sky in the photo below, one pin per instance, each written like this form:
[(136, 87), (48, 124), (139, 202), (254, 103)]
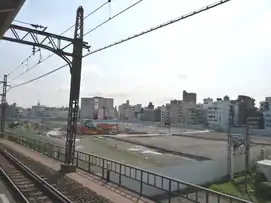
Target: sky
[(223, 51)]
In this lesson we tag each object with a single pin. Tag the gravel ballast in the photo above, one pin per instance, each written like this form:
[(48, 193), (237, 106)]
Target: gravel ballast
[(68, 187)]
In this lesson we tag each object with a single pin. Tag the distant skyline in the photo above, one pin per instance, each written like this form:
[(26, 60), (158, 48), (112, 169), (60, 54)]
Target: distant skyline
[(224, 51), (257, 104)]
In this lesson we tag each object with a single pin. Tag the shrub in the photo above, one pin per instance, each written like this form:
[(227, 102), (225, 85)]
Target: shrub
[(259, 178), (263, 190)]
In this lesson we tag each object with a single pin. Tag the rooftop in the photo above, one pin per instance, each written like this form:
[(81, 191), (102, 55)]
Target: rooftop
[(8, 11)]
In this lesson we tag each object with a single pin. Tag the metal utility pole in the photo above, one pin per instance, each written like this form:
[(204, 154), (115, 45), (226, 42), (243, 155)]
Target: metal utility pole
[(247, 155), (3, 105), (18, 34), (74, 93)]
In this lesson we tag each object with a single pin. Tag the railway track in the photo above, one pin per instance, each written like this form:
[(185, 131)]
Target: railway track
[(27, 186)]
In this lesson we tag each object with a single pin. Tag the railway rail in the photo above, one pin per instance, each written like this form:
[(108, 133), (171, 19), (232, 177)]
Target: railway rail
[(27, 186)]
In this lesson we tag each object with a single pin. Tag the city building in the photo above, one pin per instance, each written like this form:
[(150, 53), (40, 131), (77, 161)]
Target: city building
[(219, 114), (190, 119), (152, 115), (264, 106), (256, 121), (246, 108), (201, 114), (97, 107), (150, 105), (267, 119), (55, 112), (188, 112), (38, 110), (266, 112), (87, 108), (207, 102), (122, 108), (129, 112), (189, 97), (175, 111), (164, 117)]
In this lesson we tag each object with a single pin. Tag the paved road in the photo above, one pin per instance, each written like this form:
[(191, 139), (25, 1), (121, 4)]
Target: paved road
[(5, 194)]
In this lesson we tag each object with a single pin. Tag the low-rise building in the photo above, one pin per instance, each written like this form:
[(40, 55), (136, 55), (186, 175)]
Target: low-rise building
[(152, 115)]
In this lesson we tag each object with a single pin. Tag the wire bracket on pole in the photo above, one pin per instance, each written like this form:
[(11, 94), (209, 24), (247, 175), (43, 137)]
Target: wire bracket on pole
[(29, 36)]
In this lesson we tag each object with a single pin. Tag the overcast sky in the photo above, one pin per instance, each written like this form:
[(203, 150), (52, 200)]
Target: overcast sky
[(224, 51)]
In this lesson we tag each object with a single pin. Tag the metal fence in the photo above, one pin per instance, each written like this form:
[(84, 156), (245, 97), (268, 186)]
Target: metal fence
[(154, 186)]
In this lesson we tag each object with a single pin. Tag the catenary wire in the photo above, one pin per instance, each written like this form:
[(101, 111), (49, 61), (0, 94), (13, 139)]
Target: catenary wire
[(134, 36), (114, 16), (68, 29), (101, 24)]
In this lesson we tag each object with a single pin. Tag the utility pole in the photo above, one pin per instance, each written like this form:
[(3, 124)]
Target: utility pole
[(230, 147), (3, 105), (247, 154), (75, 71), (18, 34)]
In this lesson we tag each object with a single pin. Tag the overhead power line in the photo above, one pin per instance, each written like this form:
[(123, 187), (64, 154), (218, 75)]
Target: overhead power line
[(65, 31), (114, 16), (37, 78), (159, 26), (135, 36), (92, 30)]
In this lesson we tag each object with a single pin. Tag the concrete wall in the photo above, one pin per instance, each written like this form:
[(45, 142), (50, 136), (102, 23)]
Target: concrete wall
[(261, 132), (199, 173), (154, 184)]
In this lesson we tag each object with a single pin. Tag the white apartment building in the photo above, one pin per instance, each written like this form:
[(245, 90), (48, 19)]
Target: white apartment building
[(130, 113), (101, 102), (218, 114), (87, 108), (164, 118), (91, 107)]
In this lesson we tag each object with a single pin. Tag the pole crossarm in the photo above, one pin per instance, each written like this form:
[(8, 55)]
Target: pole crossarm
[(42, 39)]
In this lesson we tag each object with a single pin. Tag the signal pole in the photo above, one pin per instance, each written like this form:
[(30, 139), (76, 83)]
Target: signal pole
[(3, 105)]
